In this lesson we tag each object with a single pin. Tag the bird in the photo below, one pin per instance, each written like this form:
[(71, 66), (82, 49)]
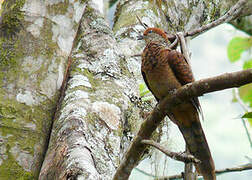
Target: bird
[(164, 69)]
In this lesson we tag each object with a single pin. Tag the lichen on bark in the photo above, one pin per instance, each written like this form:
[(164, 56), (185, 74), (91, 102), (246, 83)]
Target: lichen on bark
[(31, 73)]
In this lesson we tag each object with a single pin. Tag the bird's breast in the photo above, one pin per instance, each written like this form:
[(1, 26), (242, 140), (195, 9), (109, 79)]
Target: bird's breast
[(161, 80), (159, 75)]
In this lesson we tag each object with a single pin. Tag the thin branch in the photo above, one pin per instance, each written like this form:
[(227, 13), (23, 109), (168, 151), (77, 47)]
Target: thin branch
[(230, 15), (184, 157), (145, 173), (246, 109), (234, 169), (143, 24), (189, 174), (197, 88), (184, 48), (218, 172)]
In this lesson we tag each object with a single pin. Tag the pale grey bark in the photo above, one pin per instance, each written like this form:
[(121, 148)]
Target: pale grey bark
[(100, 110), (86, 137), (36, 40)]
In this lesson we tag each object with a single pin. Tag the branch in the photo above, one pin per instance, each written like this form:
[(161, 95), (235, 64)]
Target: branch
[(197, 88), (230, 15), (218, 172), (184, 157), (234, 169), (189, 174)]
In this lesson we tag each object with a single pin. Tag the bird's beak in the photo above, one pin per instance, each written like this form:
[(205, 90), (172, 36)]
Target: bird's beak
[(140, 37)]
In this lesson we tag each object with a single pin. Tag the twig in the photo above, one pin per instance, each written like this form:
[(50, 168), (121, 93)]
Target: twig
[(197, 88), (234, 169), (246, 109), (189, 175), (218, 172), (183, 47), (143, 24), (184, 157), (230, 15), (145, 173)]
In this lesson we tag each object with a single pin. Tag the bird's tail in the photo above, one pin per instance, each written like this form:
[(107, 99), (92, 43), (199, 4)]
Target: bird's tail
[(187, 119)]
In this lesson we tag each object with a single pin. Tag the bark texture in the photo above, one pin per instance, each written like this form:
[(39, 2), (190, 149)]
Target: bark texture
[(35, 42), (99, 111), (86, 137)]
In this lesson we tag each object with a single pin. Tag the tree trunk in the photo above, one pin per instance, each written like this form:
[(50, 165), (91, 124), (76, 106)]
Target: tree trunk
[(62, 64), (36, 40)]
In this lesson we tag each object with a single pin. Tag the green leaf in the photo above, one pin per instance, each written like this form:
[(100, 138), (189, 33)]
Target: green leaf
[(247, 115), (148, 98), (247, 64), (245, 93), (143, 90), (250, 121), (236, 46)]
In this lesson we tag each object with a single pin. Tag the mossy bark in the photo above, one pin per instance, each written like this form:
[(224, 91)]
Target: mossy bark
[(33, 56), (89, 126), (100, 109)]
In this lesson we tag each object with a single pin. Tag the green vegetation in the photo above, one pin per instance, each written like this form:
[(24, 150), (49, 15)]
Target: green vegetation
[(11, 18), (235, 50)]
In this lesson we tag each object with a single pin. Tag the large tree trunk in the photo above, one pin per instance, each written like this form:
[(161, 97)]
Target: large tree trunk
[(47, 44), (36, 39), (87, 131)]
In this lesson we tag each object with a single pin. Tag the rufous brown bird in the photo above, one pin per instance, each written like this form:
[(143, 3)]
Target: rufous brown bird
[(165, 69)]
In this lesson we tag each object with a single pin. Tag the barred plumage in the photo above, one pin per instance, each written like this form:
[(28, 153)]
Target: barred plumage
[(163, 70)]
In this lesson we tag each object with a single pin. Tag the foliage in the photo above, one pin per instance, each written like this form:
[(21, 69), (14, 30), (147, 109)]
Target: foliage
[(236, 47), (145, 93), (248, 115)]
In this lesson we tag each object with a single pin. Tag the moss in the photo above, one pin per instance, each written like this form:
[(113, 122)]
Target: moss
[(59, 8), (10, 25), (132, 119), (92, 118), (83, 1), (11, 170), (89, 12), (7, 56), (11, 18), (129, 18), (14, 117), (94, 82), (47, 34), (215, 13), (96, 21), (125, 20)]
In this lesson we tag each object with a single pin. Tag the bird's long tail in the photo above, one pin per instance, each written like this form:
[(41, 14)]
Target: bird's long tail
[(187, 119)]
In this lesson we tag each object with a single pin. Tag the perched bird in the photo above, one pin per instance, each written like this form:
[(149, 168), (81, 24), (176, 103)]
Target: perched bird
[(165, 69)]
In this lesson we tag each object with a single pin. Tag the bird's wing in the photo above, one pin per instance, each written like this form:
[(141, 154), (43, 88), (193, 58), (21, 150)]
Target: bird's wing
[(147, 84), (182, 72)]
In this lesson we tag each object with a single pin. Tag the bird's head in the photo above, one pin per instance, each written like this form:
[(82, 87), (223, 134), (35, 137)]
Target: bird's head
[(155, 34)]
